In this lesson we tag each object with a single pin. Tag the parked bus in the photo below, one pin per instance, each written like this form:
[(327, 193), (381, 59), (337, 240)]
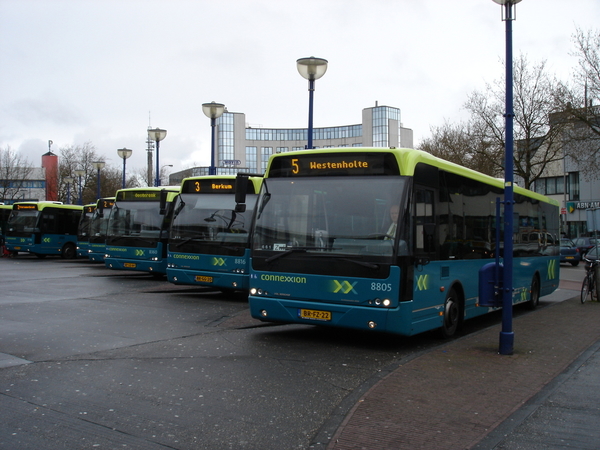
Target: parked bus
[(5, 211), (98, 229), (387, 239), (209, 240), (83, 230), (138, 229), (43, 228)]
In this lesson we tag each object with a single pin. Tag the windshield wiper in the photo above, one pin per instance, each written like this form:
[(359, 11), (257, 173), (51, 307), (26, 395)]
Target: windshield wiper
[(361, 263), (179, 208), (286, 253)]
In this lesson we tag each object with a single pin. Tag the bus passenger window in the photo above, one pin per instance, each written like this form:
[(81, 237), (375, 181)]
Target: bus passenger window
[(424, 221)]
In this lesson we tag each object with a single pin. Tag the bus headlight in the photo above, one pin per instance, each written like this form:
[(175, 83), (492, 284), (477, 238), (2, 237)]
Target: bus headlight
[(387, 302), (252, 291)]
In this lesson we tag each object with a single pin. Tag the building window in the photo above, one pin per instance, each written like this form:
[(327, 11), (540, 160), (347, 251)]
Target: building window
[(251, 158), (556, 185)]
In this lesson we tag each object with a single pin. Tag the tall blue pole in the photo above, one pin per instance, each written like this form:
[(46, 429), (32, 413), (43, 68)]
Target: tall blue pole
[(80, 191), (311, 92), (157, 180), (213, 140), (124, 180), (507, 336), (98, 196)]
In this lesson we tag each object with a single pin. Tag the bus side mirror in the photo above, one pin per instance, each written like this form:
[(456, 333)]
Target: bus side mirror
[(163, 202), (241, 189)]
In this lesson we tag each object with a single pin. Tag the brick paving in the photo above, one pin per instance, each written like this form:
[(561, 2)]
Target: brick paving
[(454, 395)]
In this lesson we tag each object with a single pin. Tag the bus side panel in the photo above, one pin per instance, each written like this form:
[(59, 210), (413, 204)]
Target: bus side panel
[(142, 259), (220, 271), (351, 302)]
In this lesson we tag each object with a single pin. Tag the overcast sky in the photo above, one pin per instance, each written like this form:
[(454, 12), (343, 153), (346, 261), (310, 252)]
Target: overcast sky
[(73, 71)]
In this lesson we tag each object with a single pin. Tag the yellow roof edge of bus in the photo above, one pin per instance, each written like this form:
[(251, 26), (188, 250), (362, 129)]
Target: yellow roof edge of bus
[(409, 157), (416, 156)]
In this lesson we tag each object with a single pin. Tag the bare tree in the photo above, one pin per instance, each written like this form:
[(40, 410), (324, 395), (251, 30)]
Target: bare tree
[(82, 157), (461, 145), (15, 172), (579, 113), (537, 144)]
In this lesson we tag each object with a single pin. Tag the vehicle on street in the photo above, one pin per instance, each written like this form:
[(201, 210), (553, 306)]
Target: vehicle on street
[(209, 241), (584, 244), (569, 253), (43, 228), (83, 230), (389, 240), (98, 228), (138, 229)]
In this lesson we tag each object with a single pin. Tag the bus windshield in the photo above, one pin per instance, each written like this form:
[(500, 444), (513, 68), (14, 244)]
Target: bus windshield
[(99, 223), (206, 218), (141, 219), (23, 222), (329, 215)]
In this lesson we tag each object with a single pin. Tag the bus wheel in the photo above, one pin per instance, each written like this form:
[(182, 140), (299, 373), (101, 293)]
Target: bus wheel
[(534, 294), (69, 251), (452, 314)]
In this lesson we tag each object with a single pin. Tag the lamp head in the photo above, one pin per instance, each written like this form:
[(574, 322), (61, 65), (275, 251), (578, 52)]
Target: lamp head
[(213, 110), (311, 68), (156, 134), (124, 153)]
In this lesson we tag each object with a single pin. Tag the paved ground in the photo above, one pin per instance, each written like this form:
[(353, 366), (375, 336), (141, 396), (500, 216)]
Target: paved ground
[(464, 395)]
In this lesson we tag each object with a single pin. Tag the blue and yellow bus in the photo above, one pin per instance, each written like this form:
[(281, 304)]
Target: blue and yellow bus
[(209, 240), (138, 229), (389, 240), (98, 228), (83, 230), (5, 211), (43, 228)]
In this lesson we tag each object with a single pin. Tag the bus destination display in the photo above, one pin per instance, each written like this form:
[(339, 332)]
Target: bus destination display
[(334, 164)]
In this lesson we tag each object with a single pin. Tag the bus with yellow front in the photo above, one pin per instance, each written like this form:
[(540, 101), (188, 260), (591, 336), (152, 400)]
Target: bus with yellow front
[(83, 230), (138, 229), (43, 228), (209, 241), (98, 228), (388, 240)]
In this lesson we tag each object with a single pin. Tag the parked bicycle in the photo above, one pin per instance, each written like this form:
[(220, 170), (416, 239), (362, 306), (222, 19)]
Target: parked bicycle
[(588, 288)]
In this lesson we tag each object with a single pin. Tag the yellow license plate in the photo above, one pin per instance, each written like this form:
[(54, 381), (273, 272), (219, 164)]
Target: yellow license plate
[(130, 265), (17, 248), (203, 279), (314, 314)]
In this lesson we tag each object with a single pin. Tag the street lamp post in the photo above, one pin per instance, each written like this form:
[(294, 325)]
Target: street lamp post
[(124, 153), (157, 135), (213, 111), (98, 165), (507, 336), (68, 181), (79, 173), (312, 69)]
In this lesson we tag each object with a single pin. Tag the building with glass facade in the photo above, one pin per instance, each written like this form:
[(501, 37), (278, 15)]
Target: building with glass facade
[(243, 148)]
